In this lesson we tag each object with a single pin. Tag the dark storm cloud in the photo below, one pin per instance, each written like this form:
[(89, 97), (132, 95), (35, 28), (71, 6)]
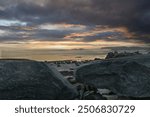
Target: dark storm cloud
[(133, 14), (17, 34), (107, 36), (46, 35)]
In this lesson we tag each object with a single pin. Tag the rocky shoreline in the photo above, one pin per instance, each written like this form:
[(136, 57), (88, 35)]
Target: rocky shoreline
[(136, 63), (121, 76)]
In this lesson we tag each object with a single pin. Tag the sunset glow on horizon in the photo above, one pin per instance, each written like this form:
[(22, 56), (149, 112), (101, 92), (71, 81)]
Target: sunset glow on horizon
[(73, 24)]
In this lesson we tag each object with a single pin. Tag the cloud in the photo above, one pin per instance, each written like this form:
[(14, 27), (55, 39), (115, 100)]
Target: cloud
[(129, 49), (132, 14), (103, 33), (44, 32)]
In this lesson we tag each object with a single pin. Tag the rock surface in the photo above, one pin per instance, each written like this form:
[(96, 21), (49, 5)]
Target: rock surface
[(126, 76), (25, 79), (121, 54)]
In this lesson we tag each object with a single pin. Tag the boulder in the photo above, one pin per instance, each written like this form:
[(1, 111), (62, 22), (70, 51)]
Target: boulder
[(121, 54), (127, 76), (25, 79)]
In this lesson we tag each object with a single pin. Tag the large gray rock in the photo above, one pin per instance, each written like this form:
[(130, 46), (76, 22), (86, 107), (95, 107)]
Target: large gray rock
[(127, 76), (121, 54), (24, 79)]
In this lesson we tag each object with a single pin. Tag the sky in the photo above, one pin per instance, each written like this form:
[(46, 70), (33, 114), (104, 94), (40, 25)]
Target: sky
[(73, 24)]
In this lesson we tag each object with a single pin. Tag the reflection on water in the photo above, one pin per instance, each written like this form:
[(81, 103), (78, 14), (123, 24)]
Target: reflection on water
[(53, 55)]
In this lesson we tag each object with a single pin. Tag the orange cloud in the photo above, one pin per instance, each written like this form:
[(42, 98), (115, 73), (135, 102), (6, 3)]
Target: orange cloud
[(98, 30)]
